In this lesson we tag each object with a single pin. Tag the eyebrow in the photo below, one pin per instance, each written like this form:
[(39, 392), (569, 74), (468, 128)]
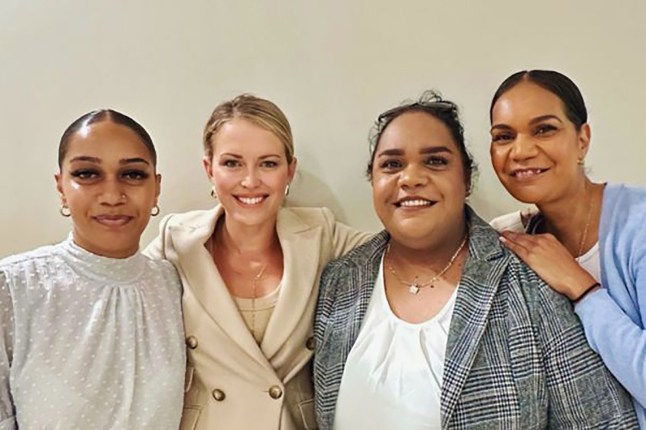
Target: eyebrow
[(424, 150), (531, 122), (262, 157), (97, 160)]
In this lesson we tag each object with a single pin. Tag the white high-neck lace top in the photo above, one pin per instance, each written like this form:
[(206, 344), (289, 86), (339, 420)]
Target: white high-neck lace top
[(88, 342)]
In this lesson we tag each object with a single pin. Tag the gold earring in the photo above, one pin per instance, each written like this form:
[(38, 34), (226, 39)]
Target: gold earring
[(287, 190), (65, 211), (155, 211), (580, 161), (215, 196)]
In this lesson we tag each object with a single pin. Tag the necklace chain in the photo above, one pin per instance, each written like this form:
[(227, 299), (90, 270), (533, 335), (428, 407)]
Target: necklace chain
[(584, 235), (254, 285), (414, 287)]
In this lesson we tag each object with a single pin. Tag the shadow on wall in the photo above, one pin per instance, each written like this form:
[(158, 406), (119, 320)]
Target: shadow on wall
[(309, 191)]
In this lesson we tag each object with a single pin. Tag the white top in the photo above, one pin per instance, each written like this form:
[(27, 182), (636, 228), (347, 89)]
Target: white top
[(591, 262), (393, 376), (88, 342)]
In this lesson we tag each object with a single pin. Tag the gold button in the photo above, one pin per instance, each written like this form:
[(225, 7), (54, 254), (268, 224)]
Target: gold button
[(191, 342), (218, 395), (275, 392), (310, 343)]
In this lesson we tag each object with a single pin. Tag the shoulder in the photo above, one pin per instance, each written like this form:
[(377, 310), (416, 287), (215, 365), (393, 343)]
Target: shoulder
[(623, 213), (310, 216), (190, 219), (361, 256), (163, 270), (26, 259)]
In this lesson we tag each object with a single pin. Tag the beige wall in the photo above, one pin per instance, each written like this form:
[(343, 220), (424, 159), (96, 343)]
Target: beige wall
[(331, 65)]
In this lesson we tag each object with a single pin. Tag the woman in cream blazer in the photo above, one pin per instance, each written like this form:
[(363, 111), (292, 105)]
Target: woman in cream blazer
[(236, 380)]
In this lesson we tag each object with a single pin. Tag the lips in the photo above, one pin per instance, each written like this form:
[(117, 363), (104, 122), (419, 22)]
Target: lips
[(113, 220), (527, 173), (251, 201), (414, 202)]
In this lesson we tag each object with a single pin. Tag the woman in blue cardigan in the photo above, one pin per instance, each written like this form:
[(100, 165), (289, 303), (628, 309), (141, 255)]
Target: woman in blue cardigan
[(433, 323), (588, 240)]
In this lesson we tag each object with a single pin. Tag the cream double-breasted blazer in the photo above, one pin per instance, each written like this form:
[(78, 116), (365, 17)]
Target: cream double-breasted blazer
[(232, 382)]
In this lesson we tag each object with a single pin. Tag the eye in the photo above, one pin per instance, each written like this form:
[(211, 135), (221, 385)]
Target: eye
[(270, 164), (435, 161), (545, 130), (502, 137), (390, 164), (85, 174), (135, 175), (231, 163)]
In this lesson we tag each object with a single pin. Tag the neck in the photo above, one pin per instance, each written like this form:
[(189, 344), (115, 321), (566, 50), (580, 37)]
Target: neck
[(433, 255), (570, 215), (245, 241)]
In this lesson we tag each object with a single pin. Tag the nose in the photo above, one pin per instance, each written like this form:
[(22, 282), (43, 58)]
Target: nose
[(251, 178), (413, 176), (112, 193), (523, 148)]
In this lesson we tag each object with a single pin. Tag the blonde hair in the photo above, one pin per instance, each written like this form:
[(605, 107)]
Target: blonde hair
[(259, 111)]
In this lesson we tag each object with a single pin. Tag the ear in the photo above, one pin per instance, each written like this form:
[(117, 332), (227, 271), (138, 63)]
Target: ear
[(584, 140), (291, 169), (207, 163), (158, 178), (59, 187)]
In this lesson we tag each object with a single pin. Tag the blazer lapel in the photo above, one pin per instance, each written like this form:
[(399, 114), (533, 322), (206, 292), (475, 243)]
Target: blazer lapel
[(206, 285), (483, 270), (302, 260)]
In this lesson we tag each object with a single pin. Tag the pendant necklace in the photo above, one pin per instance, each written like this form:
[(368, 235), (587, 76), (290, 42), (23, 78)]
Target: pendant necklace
[(415, 286)]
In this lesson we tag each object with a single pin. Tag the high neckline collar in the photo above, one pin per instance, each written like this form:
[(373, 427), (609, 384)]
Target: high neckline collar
[(101, 268)]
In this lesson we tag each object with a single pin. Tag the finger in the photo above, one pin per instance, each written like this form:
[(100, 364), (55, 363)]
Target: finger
[(515, 247)]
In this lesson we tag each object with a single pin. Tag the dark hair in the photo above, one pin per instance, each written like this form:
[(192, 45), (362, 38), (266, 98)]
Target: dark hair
[(105, 115), (431, 103), (554, 82)]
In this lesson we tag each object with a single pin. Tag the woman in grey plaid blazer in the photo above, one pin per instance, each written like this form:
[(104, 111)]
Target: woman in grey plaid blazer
[(513, 355)]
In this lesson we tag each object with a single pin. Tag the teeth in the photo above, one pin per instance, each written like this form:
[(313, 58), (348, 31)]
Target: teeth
[(250, 200), (413, 203), (526, 173)]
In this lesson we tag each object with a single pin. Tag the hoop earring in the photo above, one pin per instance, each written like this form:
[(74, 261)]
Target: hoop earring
[(580, 161), (65, 211), (155, 211), (287, 190), (215, 196)]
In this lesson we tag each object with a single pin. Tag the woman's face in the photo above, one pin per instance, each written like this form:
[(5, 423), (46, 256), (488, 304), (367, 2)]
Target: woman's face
[(249, 171), (418, 185), (108, 181), (535, 149)]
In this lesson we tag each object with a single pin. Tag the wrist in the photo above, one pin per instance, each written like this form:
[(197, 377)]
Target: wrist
[(595, 286)]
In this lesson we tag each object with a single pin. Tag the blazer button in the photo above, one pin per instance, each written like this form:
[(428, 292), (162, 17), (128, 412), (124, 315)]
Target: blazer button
[(191, 342), (310, 343), (218, 395), (275, 392)]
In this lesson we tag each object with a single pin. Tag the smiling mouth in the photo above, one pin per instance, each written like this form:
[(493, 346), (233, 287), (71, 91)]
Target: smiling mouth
[(414, 203), (527, 173), (251, 201), (113, 220)]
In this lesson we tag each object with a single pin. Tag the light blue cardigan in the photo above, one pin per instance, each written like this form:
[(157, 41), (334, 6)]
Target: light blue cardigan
[(613, 317)]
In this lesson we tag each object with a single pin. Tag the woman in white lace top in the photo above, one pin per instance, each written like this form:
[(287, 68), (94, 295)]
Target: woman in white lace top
[(90, 329)]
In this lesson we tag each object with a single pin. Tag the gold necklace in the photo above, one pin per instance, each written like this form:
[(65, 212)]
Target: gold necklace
[(584, 236), (414, 287), (254, 285)]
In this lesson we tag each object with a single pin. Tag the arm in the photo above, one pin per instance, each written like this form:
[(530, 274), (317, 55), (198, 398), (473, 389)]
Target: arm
[(615, 336), (7, 414), (582, 393)]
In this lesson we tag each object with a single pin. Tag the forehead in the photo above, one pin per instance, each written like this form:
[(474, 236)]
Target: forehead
[(242, 136), (416, 129), (526, 101), (107, 140)]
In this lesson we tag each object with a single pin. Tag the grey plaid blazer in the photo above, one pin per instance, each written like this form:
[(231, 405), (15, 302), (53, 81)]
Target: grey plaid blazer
[(516, 356)]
